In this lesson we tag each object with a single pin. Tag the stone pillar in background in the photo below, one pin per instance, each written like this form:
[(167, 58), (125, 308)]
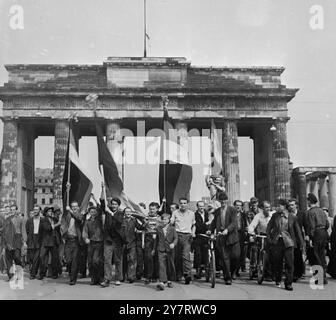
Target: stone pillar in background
[(61, 145), (231, 160), (314, 188), (332, 194), (281, 162), (9, 164), (302, 191), (323, 192), (114, 141)]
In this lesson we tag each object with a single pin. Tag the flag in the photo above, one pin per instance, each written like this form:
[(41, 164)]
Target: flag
[(80, 183), (175, 173), (216, 151), (113, 182)]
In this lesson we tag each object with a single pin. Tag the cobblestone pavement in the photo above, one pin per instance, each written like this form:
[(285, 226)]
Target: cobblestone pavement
[(241, 288)]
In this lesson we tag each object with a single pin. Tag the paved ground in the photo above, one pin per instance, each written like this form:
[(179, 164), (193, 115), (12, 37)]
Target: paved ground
[(242, 288)]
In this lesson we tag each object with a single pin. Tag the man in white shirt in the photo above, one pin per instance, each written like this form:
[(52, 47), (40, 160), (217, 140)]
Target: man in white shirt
[(184, 221), (259, 226)]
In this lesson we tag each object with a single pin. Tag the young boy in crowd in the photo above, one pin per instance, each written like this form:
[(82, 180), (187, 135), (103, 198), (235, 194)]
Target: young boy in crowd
[(93, 237), (151, 264), (165, 242), (129, 227)]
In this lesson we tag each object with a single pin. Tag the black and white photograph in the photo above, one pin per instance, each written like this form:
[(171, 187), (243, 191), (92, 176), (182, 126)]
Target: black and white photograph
[(172, 150)]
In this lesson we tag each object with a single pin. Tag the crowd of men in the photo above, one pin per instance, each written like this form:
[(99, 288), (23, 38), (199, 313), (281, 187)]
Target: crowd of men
[(156, 246)]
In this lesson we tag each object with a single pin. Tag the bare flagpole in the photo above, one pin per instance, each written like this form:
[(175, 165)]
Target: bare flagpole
[(145, 31)]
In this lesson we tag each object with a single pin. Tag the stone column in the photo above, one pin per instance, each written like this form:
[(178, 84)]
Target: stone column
[(231, 160), (9, 164), (114, 141), (332, 194), (61, 145), (314, 187), (323, 192), (302, 191), (281, 162)]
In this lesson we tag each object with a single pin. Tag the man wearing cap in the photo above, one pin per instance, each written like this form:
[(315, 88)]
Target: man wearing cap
[(283, 235), (317, 226), (225, 222), (49, 243)]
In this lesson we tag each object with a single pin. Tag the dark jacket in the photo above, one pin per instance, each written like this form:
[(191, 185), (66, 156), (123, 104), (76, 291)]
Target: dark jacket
[(113, 226), (49, 238), (93, 229), (162, 242), (66, 222), (129, 231), (273, 229), (33, 242), (201, 226), (230, 224)]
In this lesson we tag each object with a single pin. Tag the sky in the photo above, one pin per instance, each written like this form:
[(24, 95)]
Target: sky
[(206, 32)]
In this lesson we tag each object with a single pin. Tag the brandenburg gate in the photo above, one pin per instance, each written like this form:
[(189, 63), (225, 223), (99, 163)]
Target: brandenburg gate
[(243, 101)]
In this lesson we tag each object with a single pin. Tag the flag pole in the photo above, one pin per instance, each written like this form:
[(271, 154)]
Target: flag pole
[(68, 185), (104, 189), (164, 104), (145, 31)]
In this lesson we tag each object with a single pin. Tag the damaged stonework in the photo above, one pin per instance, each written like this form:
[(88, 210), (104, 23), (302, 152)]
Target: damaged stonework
[(9, 165)]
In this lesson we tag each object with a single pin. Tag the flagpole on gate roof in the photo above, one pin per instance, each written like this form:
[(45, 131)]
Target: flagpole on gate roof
[(145, 31)]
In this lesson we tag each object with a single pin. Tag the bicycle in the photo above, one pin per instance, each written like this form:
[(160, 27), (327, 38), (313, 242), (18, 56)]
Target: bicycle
[(259, 252), (210, 269)]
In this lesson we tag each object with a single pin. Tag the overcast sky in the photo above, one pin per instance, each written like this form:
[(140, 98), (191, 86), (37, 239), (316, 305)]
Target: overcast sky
[(215, 32)]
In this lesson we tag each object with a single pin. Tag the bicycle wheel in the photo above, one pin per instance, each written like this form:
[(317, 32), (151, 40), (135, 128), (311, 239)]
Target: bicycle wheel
[(213, 269), (261, 264)]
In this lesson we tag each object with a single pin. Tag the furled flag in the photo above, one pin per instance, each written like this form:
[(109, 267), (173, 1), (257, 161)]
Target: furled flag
[(80, 183), (175, 174), (113, 182), (216, 150)]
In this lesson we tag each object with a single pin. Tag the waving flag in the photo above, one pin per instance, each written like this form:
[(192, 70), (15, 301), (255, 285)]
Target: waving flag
[(175, 174), (113, 183), (80, 183)]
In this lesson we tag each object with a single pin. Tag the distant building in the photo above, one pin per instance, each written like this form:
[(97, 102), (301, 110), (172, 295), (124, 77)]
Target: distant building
[(43, 195)]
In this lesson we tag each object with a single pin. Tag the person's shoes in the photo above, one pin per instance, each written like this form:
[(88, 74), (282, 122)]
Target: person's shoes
[(105, 284), (278, 283), (169, 284), (130, 280), (146, 281), (40, 277), (233, 276), (117, 283), (187, 280), (72, 282), (93, 282), (160, 286), (289, 287), (228, 282), (32, 277)]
